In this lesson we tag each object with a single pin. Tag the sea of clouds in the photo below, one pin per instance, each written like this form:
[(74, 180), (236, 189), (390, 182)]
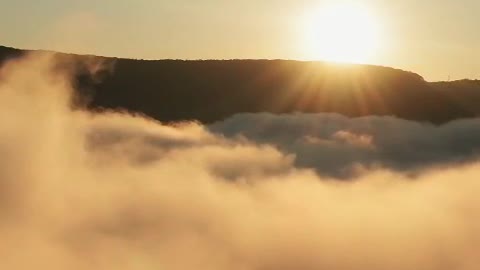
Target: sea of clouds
[(343, 147), (85, 190)]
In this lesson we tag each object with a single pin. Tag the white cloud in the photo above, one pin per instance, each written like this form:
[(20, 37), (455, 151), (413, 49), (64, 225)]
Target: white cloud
[(336, 145), (80, 190)]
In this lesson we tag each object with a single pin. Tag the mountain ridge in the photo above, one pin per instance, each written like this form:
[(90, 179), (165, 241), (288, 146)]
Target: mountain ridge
[(211, 90)]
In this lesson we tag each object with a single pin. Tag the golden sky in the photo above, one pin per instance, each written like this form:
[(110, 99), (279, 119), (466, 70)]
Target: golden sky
[(435, 38)]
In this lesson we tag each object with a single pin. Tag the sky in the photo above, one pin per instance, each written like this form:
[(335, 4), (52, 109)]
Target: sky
[(439, 39)]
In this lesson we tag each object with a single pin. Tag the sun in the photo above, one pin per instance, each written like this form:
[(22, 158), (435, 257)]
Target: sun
[(345, 33)]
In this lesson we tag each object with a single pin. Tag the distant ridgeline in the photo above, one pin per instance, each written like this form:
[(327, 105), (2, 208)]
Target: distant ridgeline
[(212, 90)]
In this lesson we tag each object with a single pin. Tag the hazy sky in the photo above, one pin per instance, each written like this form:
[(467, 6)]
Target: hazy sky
[(435, 38)]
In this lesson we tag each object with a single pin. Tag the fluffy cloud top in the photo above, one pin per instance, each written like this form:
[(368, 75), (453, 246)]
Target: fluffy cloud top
[(81, 190), (339, 146)]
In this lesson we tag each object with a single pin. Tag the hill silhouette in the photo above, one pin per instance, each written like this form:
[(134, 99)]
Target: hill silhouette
[(212, 90)]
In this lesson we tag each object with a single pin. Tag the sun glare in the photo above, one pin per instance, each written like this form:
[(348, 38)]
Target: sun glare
[(345, 33)]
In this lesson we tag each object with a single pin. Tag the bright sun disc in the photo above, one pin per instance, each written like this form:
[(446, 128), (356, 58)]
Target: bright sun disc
[(342, 33)]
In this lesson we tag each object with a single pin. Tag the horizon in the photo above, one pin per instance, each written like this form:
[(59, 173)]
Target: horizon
[(426, 38), (249, 59)]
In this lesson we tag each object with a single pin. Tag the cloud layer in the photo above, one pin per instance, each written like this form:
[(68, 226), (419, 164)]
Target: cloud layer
[(82, 190), (339, 146)]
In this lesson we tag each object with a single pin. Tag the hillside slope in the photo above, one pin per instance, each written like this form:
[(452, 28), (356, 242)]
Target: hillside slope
[(211, 90)]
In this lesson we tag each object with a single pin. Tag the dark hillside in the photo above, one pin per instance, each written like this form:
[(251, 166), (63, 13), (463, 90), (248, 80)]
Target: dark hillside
[(207, 91)]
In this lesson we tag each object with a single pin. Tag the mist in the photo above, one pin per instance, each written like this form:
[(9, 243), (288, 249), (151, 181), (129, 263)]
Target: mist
[(343, 147), (111, 190)]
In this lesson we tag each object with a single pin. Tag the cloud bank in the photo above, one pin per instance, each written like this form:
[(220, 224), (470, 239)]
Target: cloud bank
[(339, 146), (82, 190)]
